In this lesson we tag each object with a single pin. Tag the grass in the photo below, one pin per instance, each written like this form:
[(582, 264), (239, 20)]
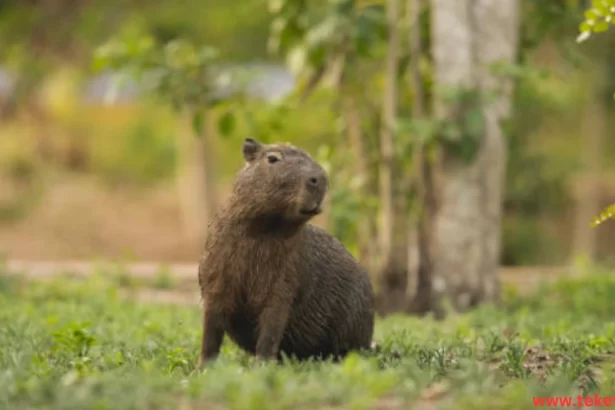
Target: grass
[(77, 344)]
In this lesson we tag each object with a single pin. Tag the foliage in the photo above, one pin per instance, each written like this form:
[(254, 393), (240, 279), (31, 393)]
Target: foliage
[(598, 18), (333, 49), (536, 179), (73, 29), (142, 155), (179, 73), (69, 343), (524, 242), (239, 33), (316, 38), (38, 36), (605, 215), (310, 37), (346, 206), (460, 132)]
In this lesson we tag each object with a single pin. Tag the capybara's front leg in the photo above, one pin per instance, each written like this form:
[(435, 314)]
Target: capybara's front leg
[(212, 334), (272, 323)]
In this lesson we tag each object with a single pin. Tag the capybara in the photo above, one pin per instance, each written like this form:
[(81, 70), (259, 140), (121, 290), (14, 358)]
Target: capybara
[(274, 283)]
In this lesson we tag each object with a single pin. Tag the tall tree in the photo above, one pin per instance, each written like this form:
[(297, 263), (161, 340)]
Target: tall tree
[(196, 176), (183, 75), (390, 272), (468, 36), (332, 47), (419, 231)]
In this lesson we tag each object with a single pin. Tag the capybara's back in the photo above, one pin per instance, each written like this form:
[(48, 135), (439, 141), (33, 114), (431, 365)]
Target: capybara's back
[(334, 310), (271, 281)]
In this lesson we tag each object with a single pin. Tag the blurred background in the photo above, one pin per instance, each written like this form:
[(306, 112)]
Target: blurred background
[(93, 168)]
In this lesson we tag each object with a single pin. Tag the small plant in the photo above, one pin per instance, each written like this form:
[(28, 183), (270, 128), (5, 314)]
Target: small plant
[(123, 278), (75, 338), (179, 359)]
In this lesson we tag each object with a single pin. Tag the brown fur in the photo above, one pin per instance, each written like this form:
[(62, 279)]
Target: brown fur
[(272, 282)]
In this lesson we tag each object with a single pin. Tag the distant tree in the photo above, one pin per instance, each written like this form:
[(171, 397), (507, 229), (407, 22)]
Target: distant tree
[(335, 46), (187, 78), (459, 243), (470, 39)]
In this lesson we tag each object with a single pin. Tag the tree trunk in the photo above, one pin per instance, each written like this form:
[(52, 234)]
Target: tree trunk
[(195, 181), (352, 120), (388, 280), (418, 232), (414, 10), (467, 36)]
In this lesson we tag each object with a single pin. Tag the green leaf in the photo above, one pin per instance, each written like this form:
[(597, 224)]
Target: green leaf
[(585, 27), (601, 26), (600, 7), (226, 123), (591, 14), (605, 215)]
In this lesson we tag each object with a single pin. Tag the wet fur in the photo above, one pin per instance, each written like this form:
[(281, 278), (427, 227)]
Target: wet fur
[(271, 281)]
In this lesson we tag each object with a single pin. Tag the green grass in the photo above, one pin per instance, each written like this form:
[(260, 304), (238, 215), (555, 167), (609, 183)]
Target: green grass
[(76, 344)]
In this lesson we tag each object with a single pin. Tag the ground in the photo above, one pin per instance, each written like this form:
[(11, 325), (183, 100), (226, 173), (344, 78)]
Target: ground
[(77, 341), (80, 218)]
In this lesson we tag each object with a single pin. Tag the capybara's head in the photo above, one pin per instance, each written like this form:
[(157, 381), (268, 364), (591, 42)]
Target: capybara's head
[(280, 180)]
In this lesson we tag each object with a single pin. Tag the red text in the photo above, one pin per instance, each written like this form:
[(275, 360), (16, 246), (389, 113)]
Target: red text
[(579, 401)]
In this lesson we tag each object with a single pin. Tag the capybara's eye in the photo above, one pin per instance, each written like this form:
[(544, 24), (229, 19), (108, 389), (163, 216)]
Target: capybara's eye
[(272, 158)]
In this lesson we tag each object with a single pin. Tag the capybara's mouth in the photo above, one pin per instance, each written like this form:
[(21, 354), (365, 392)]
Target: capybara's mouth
[(312, 211)]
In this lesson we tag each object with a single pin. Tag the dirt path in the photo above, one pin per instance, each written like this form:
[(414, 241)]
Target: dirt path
[(183, 292), (185, 289)]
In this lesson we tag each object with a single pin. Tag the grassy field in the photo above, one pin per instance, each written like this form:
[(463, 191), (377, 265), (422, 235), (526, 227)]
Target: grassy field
[(71, 343)]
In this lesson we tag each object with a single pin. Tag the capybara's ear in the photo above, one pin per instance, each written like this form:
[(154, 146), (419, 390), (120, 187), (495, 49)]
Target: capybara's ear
[(251, 148)]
